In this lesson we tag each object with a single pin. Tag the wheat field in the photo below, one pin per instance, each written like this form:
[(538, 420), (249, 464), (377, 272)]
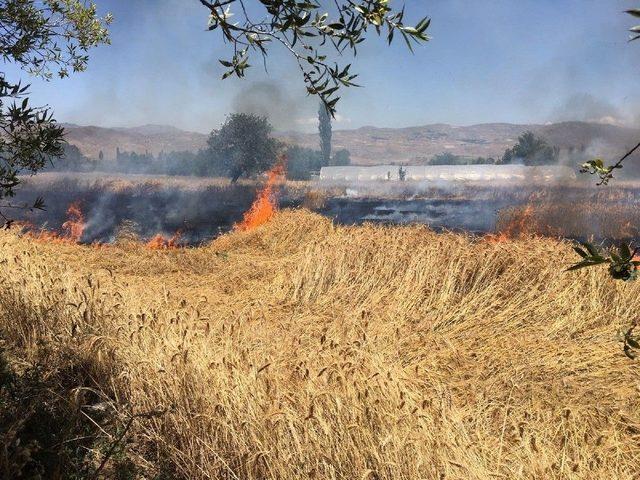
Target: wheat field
[(302, 349)]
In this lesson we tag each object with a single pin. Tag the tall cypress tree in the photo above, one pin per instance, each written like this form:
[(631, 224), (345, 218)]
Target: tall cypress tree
[(324, 127)]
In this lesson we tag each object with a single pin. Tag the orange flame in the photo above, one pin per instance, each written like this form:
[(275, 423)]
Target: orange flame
[(265, 205), (520, 224), (73, 228), (160, 242)]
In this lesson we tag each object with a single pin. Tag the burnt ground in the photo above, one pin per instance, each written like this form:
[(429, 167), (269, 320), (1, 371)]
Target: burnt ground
[(474, 216), (148, 208), (203, 209)]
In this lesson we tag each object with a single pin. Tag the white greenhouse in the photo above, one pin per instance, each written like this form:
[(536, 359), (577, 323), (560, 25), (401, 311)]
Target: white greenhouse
[(446, 173)]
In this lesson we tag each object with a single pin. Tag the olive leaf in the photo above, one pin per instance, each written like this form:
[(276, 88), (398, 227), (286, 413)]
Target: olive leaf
[(597, 167), (631, 342), (622, 265), (309, 34), (635, 31)]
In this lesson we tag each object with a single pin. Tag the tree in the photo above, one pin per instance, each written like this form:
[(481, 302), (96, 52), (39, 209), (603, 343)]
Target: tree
[(324, 129), (309, 32), (73, 161), (302, 162), (532, 151), (341, 158), (242, 146), (41, 37), (446, 158)]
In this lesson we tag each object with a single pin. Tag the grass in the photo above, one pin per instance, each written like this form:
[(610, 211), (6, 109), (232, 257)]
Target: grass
[(578, 219), (306, 350)]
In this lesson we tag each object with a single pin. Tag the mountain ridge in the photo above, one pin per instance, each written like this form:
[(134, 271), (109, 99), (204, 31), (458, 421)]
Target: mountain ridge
[(91, 140), (370, 145), (373, 145)]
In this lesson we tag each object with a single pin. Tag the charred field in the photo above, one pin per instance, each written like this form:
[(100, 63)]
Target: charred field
[(199, 210), (306, 347), (145, 206)]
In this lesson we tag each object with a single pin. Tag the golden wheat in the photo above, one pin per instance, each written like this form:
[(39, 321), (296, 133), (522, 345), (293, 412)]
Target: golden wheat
[(306, 350), (578, 219)]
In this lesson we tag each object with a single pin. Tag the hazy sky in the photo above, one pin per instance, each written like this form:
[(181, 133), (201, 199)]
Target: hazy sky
[(515, 61)]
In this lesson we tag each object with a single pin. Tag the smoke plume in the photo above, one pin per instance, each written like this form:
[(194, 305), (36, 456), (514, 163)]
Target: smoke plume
[(588, 108), (269, 99)]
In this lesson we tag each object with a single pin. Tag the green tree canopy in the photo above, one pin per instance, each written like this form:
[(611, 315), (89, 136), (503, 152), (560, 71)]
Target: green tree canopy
[(531, 150), (42, 37), (242, 146), (341, 158), (302, 162)]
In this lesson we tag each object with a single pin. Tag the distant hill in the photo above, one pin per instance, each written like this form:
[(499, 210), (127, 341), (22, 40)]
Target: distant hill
[(610, 139), (371, 145), (151, 138)]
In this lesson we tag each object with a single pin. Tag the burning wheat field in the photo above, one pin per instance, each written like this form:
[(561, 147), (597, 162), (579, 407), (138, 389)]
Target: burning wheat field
[(277, 276), (295, 347), (101, 209)]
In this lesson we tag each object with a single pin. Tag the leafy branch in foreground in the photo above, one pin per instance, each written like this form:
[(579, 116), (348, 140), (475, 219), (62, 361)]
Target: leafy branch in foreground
[(42, 37), (309, 32), (605, 173), (621, 260), (631, 342), (29, 138), (635, 31), (622, 266), (39, 34)]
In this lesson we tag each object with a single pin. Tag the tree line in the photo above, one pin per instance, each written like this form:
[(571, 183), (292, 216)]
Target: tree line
[(242, 147), (530, 150)]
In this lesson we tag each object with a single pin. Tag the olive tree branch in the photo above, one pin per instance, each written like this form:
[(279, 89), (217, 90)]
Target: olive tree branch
[(290, 23)]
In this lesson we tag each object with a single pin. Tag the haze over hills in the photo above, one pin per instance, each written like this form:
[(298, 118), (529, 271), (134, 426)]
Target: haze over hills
[(148, 138), (371, 145)]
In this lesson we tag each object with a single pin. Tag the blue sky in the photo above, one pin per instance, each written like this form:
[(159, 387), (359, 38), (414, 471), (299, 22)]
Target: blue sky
[(520, 61)]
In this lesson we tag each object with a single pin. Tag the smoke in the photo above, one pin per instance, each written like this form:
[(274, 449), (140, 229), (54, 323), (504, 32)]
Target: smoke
[(199, 211), (204, 210), (586, 107), (283, 108), (596, 148)]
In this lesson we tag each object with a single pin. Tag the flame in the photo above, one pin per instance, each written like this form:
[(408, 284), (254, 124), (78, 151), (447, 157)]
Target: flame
[(160, 242), (521, 223), (73, 228), (265, 205), (496, 238)]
